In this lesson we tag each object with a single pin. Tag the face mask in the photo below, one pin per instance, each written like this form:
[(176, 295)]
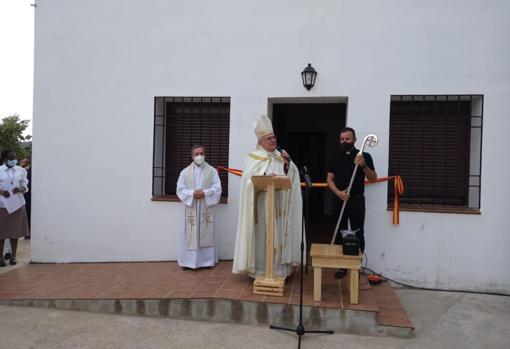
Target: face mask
[(199, 160), (11, 163), (346, 146)]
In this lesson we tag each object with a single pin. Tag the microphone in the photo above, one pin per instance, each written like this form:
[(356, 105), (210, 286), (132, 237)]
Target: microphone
[(308, 180), (281, 150)]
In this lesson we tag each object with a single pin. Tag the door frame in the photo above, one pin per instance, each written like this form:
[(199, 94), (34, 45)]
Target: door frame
[(307, 100), (272, 101)]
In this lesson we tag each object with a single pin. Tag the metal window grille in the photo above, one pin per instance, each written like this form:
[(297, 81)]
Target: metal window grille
[(180, 123), (435, 146)]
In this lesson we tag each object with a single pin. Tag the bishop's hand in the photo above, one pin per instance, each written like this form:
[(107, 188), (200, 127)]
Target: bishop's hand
[(285, 156)]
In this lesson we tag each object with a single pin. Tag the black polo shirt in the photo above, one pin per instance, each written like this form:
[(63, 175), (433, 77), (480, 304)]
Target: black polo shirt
[(342, 166)]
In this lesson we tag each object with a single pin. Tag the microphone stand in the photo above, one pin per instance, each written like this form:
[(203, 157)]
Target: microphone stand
[(300, 329)]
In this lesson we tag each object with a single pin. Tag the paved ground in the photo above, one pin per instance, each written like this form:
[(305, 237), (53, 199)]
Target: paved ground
[(442, 320), (23, 257)]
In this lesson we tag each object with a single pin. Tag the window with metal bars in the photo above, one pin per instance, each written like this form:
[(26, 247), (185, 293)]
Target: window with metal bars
[(435, 146), (179, 124)]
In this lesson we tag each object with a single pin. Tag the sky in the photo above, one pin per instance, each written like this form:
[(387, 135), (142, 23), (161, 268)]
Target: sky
[(16, 58)]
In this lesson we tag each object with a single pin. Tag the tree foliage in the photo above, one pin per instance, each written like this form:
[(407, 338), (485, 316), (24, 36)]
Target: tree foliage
[(11, 136)]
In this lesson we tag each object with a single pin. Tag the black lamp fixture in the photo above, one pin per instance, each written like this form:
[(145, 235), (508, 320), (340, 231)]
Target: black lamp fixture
[(308, 75)]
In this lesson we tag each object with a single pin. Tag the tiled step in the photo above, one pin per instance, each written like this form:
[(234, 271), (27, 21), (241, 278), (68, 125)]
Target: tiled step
[(164, 289), (391, 313)]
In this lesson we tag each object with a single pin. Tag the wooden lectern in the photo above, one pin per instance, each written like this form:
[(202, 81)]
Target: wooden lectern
[(270, 285)]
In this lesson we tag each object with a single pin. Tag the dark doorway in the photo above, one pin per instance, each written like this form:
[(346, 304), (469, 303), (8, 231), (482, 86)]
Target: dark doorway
[(309, 132)]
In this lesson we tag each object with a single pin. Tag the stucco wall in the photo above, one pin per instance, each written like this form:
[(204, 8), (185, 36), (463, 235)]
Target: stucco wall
[(99, 64)]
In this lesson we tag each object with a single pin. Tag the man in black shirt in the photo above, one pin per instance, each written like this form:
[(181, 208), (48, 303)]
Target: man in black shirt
[(340, 172)]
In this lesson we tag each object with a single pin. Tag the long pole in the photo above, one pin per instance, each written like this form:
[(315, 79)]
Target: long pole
[(344, 204)]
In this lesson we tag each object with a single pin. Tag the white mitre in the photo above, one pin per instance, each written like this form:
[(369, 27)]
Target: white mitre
[(263, 126)]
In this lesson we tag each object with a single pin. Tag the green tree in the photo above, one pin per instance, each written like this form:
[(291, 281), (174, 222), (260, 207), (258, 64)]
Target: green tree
[(11, 136)]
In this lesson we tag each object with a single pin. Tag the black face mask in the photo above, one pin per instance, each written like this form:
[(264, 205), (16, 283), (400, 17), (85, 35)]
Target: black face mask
[(346, 146)]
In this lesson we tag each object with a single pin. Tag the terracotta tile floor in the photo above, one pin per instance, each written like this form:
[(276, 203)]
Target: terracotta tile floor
[(167, 280)]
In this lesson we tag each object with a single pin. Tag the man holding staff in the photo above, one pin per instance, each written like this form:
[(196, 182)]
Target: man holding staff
[(340, 170)]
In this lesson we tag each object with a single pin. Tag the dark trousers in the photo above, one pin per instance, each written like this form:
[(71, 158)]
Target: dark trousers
[(355, 213)]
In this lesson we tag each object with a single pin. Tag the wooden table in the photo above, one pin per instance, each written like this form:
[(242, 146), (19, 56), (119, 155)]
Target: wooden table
[(331, 256)]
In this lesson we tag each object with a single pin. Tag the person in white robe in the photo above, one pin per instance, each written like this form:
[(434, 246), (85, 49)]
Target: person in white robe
[(250, 246), (198, 188)]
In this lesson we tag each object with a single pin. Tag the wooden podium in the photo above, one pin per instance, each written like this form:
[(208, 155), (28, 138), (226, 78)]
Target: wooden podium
[(270, 285)]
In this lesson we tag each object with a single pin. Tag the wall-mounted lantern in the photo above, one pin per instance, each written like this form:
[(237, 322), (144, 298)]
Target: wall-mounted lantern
[(309, 74)]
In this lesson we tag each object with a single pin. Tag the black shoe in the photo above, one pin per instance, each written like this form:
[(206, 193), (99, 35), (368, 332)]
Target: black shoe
[(8, 255), (340, 273), (13, 261), (2, 263), (186, 268)]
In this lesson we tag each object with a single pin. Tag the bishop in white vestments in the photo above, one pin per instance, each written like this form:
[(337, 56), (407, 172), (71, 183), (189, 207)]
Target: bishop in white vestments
[(198, 188), (250, 247)]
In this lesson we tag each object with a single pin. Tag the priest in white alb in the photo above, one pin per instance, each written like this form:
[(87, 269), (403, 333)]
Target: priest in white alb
[(198, 188), (250, 247)]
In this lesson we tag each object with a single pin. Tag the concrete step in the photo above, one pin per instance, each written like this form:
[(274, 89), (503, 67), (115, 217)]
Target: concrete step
[(230, 311)]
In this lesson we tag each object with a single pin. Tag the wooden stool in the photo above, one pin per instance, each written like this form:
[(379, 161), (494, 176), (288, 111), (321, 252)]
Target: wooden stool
[(331, 256)]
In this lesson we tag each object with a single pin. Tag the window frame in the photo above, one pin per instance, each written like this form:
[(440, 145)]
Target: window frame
[(474, 154), (160, 165)]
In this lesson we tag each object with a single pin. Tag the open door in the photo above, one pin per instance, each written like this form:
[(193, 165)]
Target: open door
[(310, 132)]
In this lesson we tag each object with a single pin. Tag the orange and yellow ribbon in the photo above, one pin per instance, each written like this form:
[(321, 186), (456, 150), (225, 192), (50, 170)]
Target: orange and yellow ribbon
[(231, 170), (397, 183)]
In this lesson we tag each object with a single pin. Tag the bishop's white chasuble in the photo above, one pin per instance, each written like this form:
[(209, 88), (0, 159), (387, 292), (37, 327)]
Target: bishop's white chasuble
[(250, 247)]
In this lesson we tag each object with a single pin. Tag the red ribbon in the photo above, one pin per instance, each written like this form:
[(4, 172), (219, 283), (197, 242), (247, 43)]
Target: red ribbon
[(397, 183)]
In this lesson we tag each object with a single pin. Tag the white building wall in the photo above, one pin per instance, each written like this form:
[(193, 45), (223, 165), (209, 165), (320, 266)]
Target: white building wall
[(99, 64)]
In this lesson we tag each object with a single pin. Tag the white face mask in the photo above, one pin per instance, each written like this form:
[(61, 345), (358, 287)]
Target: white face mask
[(199, 160), (11, 163)]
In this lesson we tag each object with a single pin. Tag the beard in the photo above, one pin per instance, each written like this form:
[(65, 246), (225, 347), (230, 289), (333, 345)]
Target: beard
[(346, 146)]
